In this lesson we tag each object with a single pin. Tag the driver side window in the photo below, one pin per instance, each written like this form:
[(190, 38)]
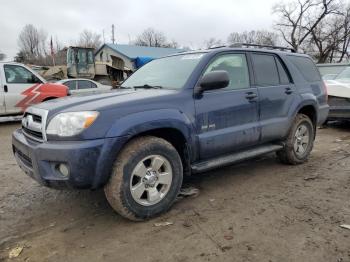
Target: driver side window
[(236, 67), (16, 74)]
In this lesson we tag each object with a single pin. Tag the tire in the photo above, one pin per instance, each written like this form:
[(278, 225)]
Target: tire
[(296, 150), (138, 173)]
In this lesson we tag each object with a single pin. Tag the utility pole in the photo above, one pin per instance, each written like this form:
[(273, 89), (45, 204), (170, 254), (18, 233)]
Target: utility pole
[(103, 35), (113, 39)]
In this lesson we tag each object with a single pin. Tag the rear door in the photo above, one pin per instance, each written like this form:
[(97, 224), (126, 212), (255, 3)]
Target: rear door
[(276, 95), (19, 87), (227, 119)]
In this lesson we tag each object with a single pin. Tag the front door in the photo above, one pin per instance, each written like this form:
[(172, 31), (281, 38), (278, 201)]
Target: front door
[(20, 86), (276, 95), (227, 119)]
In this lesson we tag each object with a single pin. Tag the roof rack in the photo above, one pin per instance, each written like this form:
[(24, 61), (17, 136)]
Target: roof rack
[(217, 46), (263, 46)]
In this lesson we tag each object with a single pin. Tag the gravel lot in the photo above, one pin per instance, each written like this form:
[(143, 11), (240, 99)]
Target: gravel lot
[(259, 210)]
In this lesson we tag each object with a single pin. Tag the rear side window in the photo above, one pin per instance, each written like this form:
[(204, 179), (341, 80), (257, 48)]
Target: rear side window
[(306, 67), (84, 84), (265, 70), (284, 78)]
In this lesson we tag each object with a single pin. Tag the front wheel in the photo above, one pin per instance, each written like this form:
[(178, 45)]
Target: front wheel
[(146, 178), (299, 142)]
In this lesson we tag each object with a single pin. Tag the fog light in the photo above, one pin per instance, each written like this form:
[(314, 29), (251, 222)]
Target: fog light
[(63, 169)]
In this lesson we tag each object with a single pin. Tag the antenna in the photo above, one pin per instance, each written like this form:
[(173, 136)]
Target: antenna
[(113, 39)]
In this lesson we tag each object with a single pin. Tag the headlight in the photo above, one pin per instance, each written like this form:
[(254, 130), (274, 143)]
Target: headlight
[(71, 123)]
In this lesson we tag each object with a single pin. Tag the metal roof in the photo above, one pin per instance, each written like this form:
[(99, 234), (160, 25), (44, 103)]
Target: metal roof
[(133, 51)]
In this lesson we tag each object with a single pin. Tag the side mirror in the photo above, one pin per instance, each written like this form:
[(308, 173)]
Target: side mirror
[(214, 80)]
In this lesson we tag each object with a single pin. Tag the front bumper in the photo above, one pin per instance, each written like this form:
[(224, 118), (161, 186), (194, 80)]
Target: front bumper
[(89, 162)]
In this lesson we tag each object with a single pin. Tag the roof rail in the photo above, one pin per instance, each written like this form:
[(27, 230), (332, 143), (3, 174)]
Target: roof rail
[(263, 46), (217, 46)]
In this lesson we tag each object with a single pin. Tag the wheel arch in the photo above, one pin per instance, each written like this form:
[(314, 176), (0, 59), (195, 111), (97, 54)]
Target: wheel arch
[(176, 138), (170, 125), (310, 111)]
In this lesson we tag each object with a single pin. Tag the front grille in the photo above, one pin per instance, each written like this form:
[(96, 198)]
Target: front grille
[(24, 158), (32, 133), (32, 126), (36, 118)]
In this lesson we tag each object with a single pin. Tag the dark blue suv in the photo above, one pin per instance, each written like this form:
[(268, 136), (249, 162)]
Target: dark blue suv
[(178, 115)]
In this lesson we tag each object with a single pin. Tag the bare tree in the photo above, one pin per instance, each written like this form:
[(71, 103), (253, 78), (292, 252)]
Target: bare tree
[(154, 38), (212, 42), (325, 39), (344, 45), (329, 40), (2, 56), (260, 37), (20, 57), (88, 38), (32, 42), (172, 44), (299, 18)]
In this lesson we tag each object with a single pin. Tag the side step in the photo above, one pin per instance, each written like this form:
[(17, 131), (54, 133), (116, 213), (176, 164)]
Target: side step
[(234, 158)]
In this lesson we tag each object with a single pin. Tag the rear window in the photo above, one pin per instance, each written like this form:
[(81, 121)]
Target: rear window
[(306, 67), (265, 69)]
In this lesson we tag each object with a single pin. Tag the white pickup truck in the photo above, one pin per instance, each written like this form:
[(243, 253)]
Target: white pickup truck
[(21, 87)]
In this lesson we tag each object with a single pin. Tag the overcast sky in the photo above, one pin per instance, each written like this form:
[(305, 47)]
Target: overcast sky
[(189, 22)]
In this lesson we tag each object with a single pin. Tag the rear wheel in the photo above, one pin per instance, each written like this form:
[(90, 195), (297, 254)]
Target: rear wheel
[(146, 178), (299, 142)]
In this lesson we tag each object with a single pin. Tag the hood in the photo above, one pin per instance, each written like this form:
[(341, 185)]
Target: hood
[(338, 88), (102, 101)]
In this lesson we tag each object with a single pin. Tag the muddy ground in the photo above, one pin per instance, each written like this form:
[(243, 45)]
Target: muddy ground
[(259, 210)]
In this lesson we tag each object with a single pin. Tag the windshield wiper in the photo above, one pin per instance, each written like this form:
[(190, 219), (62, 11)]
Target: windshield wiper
[(147, 86)]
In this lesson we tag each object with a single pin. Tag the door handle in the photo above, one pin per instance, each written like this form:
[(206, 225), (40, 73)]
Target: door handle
[(251, 95), (288, 90), (5, 89)]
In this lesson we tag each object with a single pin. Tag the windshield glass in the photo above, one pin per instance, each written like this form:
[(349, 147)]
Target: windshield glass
[(169, 72)]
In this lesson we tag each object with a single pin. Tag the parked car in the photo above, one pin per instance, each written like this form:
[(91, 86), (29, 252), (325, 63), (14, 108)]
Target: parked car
[(178, 115), (81, 85), (21, 87), (338, 88), (330, 71)]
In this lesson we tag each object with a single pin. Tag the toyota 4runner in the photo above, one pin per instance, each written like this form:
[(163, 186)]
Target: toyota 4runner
[(182, 114)]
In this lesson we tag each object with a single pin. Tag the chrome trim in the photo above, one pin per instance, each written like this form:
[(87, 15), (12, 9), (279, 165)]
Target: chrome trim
[(31, 125), (32, 137)]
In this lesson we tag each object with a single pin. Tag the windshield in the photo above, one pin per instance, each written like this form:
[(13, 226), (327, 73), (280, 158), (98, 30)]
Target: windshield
[(169, 72)]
